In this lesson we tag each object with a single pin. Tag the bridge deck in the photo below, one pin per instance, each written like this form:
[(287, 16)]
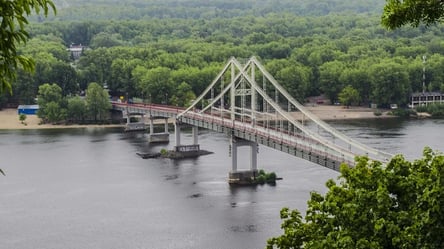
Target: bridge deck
[(294, 144), (302, 147)]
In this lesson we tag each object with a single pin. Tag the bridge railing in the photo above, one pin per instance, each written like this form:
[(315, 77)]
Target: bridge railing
[(169, 111), (296, 141)]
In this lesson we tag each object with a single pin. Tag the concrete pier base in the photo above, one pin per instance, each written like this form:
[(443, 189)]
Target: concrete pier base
[(138, 125), (135, 127), (159, 138), (244, 177)]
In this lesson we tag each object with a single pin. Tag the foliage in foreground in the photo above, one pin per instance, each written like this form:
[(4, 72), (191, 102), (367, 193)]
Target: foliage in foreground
[(13, 19), (399, 13), (398, 205)]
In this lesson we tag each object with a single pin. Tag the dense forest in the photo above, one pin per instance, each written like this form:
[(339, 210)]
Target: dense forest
[(171, 50)]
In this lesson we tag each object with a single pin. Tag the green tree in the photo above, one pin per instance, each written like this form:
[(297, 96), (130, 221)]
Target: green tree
[(12, 32), (97, 101), (54, 113), (122, 79), (434, 72), (390, 83), (105, 40), (77, 109), (155, 82), (46, 44), (66, 77), (359, 79), (183, 95), (95, 66), (50, 103), (296, 80), (24, 88), (22, 118), (399, 13), (330, 73), (398, 205), (349, 96), (49, 93), (44, 63)]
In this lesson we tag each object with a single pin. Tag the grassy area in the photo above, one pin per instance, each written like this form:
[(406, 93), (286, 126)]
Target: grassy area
[(435, 110)]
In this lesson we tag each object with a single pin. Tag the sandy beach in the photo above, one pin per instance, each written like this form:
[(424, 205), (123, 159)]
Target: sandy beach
[(330, 112), (9, 119)]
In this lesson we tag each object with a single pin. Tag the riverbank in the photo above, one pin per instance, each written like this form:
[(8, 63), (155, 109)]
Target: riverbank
[(334, 112), (9, 119)]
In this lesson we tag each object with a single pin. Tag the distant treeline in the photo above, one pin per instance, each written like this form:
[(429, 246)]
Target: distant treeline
[(74, 10), (173, 59)]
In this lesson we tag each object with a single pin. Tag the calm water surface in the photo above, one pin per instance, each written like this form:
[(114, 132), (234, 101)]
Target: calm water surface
[(87, 188)]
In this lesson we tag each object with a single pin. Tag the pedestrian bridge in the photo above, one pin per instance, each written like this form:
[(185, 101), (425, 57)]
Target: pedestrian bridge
[(245, 102)]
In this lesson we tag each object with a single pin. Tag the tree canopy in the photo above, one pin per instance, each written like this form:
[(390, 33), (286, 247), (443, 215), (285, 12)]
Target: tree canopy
[(97, 101), (349, 96), (12, 32), (147, 49), (51, 103), (398, 205), (399, 13)]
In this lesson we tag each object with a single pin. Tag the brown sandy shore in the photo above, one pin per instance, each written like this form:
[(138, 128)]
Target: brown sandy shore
[(9, 118), (328, 112)]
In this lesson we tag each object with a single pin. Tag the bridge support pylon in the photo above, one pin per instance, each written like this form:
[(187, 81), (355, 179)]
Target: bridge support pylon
[(139, 125), (186, 150), (236, 176), (160, 137)]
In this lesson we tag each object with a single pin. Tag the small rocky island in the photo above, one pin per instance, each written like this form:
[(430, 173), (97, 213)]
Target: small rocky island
[(174, 154), (252, 178), (240, 178)]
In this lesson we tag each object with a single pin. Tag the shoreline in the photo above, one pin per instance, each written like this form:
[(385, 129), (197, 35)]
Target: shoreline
[(334, 112), (9, 119)]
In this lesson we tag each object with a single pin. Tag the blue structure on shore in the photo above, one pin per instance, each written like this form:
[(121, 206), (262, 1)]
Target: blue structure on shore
[(27, 109)]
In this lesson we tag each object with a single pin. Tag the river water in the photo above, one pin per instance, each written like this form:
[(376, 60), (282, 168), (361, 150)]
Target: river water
[(87, 188)]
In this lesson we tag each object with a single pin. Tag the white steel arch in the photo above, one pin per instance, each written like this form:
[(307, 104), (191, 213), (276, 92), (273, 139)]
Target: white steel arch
[(243, 76)]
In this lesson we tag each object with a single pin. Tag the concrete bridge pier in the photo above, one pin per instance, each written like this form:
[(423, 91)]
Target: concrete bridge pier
[(192, 150), (139, 125), (236, 176), (177, 132), (160, 137)]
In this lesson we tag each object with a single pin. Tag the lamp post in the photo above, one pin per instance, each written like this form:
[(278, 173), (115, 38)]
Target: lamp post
[(423, 74), (143, 98), (127, 109), (149, 104)]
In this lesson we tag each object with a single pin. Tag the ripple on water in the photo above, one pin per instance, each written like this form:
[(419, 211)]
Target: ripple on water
[(171, 177), (197, 195), (244, 229)]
